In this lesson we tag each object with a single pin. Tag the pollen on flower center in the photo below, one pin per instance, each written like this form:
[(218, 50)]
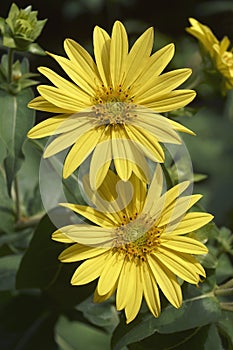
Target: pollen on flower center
[(135, 240), (113, 106)]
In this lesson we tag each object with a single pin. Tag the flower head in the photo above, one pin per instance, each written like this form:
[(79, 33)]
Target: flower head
[(21, 28), (204, 34), (139, 248), (221, 58), (113, 100)]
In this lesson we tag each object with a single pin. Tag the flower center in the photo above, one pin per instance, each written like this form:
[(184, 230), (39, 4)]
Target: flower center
[(136, 239), (228, 58), (113, 106)]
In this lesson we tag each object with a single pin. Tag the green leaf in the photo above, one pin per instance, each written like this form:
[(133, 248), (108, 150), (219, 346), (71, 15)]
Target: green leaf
[(197, 338), (225, 325), (40, 267), (209, 231), (15, 121), (103, 315), (36, 49), (40, 263), (77, 336), (225, 238), (8, 267), (213, 340), (12, 238), (196, 312), (6, 203), (28, 179), (224, 268), (209, 261), (199, 177)]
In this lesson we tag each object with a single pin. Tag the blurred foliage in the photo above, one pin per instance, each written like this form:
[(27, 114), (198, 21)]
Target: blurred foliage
[(38, 306)]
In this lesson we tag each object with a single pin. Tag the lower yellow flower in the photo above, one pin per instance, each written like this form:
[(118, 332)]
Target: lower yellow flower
[(137, 249)]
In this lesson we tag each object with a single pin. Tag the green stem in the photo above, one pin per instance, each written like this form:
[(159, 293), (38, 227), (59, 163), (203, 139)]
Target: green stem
[(29, 222), (10, 64), (223, 292), (202, 296), (228, 284), (17, 200), (227, 306)]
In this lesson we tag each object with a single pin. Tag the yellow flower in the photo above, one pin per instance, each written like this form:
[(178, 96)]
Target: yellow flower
[(139, 248), (224, 62), (203, 34), (111, 100), (222, 59)]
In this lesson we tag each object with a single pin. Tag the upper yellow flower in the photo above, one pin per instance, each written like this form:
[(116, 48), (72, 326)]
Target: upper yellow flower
[(203, 34), (224, 62), (222, 59), (138, 243), (112, 100)]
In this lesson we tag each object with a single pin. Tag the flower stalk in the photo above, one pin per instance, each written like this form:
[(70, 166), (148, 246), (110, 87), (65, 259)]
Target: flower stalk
[(10, 64)]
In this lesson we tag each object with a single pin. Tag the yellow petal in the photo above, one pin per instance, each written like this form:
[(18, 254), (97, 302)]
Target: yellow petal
[(121, 152), (63, 100), (138, 57), (106, 197), (90, 235), (148, 144), (163, 84), (135, 161), (101, 42), (180, 127), (66, 139), (150, 289), (58, 81), (158, 125), (154, 66), (81, 150), (141, 167), (42, 104), (225, 43), (166, 281), (61, 237), (191, 222), (91, 214), (154, 192), (177, 208), (47, 127), (79, 75), (81, 59), (177, 265), (139, 195), (89, 270), (101, 160), (118, 53), (171, 101), (110, 274), (125, 284), (168, 198), (79, 252), (135, 297), (183, 244), (101, 298)]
